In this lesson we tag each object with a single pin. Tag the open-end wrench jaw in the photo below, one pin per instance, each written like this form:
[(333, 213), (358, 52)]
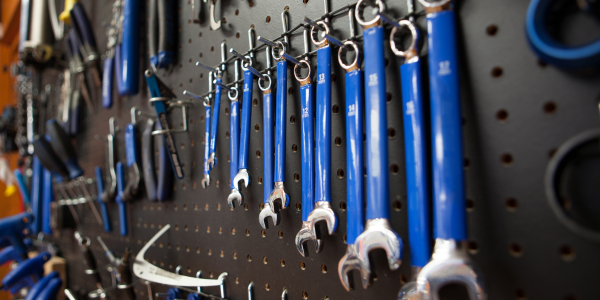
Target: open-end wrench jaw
[(235, 195), (241, 175), (265, 213), (212, 160), (378, 234), (322, 212), (205, 181), (348, 263), (278, 193), (449, 264), (307, 234)]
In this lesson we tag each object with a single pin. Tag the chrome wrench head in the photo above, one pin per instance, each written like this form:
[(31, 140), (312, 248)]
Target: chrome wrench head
[(307, 234), (265, 213), (378, 234), (205, 181), (235, 195), (449, 264), (409, 290), (241, 175), (212, 160), (323, 212), (348, 263), (278, 193)]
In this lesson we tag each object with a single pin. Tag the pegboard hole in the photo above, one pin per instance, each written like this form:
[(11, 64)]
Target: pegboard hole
[(511, 204), (280, 234), (470, 205), (391, 133), (515, 250), (255, 102), (497, 72), (261, 206), (394, 169), (263, 233), (260, 180), (491, 30), (335, 109), (542, 63), (397, 205), (338, 141), (340, 173), (344, 238), (249, 257), (304, 295), (389, 97), (237, 280), (291, 90), (567, 253), (403, 279), (256, 128), (247, 232), (282, 262), (251, 3), (305, 1), (226, 111), (343, 206), (520, 294), (257, 153), (549, 107), (237, 35), (209, 252), (212, 49), (265, 261), (232, 231), (324, 269), (246, 206), (502, 115), (268, 19), (374, 276), (292, 119), (507, 159), (294, 148), (472, 247), (296, 177), (333, 77), (298, 206), (302, 266)]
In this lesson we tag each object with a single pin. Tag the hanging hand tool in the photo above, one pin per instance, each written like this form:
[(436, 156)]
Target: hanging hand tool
[(110, 192), (214, 25), (234, 139), (39, 286), (121, 270), (13, 228), (322, 210), (37, 182), (161, 35), (47, 199), (89, 261), (113, 34), (51, 289), (161, 190), (103, 205), (134, 174), (148, 160), (160, 94), (146, 271), (127, 52), (86, 39), (268, 147), (78, 68), (354, 161), (207, 121), (246, 118), (38, 42), (449, 263), (120, 201), (378, 232), (27, 268)]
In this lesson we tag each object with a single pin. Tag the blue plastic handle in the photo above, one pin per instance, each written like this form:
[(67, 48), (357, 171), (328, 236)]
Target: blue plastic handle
[(207, 141), (107, 82), (37, 181), (161, 113), (164, 188), (354, 155), (22, 187), (8, 254), (268, 132), (131, 147), (246, 116), (51, 290), (130, 53), (167, 38), (234, 142), (103, 205), (119, 199), (308, 150), (376, 127), (47, 199), (83, 26), (280, 116), (37, 288), (28, 267), (4, 242), (416, 164), (74, 44), (62, 147), (323, 153), (193, 297), (448, 179), (148, 160), (214, 127), (119, 70), (12, 227)]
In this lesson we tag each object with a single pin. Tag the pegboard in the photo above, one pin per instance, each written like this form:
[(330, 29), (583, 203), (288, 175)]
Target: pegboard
[(516, 112)]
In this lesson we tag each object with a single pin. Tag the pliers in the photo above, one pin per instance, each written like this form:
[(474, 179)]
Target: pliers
[(87, 40), (161, 43)]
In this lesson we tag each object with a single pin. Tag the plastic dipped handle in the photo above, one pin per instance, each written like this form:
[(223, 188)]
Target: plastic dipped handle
[(416, 164), (323, 153), (47, 199), (119, 71), (268, 132), (448, 177), (39, 286), (63, 148), (83, 25), (107, 82), (26, 268), (214, 126), (376, 127), (48, 158), (354, 155), (234, 142), (308, 148), (166, 31), (148, 161), (22, 186), (103, 207), (153, 32), (130, 43), (119, 199), (36, 195), (246, 116), (164, 188), (51, 289), (75, 115), (207, 141), (131, 147), (280, 116)]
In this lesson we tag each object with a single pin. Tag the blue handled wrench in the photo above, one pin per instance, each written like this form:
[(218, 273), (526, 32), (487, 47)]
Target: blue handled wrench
[(234, 140), (378, 232), (206, 102), (450, 262)]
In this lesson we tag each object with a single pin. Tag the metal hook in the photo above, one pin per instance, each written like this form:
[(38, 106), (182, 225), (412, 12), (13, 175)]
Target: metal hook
[(351, 22), (285, 22), (223, 56), (250, 290), (284, 294), (199, 275), (251, 41), (199, 64), (223, 86)]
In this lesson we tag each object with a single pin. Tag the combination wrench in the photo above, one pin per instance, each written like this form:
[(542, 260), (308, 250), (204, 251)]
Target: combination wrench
[(234, 140), (378, 232), (449, 263), (206, 103), (212, 160)]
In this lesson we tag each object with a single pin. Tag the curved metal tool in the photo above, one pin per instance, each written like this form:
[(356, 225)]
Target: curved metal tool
[(120, 201), (355, 164), (214, 127), (110, 192), (206, 179), (306, 233), (449, 263), (378, 233), (234, 141), (147, 271), (214, 25), (134, 178)]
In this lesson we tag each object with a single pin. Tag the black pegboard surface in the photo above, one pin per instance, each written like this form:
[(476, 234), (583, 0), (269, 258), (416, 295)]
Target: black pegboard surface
[(516, 112)]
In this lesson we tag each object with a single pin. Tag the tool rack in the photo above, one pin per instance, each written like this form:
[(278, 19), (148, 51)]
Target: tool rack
[(516, 112)]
